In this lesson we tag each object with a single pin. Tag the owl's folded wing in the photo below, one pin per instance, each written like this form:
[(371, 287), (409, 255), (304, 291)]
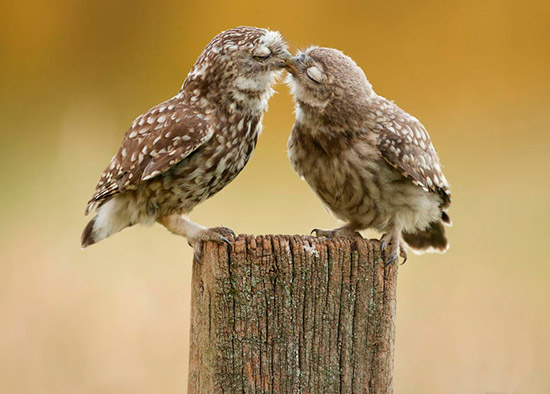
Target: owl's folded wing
[(156, 141)]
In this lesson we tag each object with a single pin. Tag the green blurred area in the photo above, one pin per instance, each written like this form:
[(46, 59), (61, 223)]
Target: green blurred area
[(115, 318)]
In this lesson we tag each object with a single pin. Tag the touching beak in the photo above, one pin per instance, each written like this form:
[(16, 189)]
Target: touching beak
[(291, 65), (286, 55), (283, 59)]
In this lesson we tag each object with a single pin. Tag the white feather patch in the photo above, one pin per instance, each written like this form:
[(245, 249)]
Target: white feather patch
[(271, 37)]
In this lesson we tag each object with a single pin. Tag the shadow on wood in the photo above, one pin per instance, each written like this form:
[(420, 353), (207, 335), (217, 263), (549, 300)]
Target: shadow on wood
[(292, 314)]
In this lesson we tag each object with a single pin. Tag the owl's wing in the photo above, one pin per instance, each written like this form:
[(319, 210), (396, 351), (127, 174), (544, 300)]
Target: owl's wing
[(156, 141), (405, 144)]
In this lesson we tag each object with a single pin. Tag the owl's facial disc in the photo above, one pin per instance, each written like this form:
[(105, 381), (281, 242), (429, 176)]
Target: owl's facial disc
[(256, 67), (302, 64), (271, 50), (308, 81), (263, 69), (270, 57), (261, 64)]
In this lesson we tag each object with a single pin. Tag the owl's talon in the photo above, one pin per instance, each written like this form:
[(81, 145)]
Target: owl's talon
[(217, 234), (316, 232), (220, 234), (198, 251), (391, 240), (391, 259), (397, 248), (342, 232), (403, 254), (322, 233)]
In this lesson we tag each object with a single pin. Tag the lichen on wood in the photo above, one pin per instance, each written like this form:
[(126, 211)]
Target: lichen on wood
[(292, 314)]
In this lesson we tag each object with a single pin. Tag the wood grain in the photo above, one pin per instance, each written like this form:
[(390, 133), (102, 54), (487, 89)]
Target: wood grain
[(292, 314)]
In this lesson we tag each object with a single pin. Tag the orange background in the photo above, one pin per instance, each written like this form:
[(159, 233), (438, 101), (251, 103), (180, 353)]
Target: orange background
[(115, 318)]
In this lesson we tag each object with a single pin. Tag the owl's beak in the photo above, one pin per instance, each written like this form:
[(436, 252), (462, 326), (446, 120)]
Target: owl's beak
[(284, 56), (291, 66)]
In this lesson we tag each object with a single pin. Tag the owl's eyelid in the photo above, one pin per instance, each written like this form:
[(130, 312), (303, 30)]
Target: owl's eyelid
[(261, 53), (315, 74), (313, 80), (257, 57)]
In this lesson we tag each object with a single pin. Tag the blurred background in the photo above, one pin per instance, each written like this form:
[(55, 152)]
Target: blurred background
[(115, 317)]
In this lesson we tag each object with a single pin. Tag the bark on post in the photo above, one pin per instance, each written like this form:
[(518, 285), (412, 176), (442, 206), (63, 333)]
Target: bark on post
[(292, 314)]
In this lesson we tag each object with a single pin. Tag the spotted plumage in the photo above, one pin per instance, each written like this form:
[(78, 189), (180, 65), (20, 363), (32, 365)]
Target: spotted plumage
[(370, 162), (405, 145), (184, 150)]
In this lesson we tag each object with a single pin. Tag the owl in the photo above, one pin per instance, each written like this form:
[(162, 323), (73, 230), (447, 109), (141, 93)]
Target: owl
[(188, 148), (371, 163)]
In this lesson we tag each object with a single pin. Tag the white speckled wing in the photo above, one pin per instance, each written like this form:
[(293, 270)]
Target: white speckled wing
[(405, 144), (156, 141)]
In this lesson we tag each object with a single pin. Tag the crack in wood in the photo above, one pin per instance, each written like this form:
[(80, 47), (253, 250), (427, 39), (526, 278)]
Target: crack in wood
[(292, 314)]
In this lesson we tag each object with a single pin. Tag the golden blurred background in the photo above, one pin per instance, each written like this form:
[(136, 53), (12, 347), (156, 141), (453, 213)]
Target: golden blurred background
[(115, 317)]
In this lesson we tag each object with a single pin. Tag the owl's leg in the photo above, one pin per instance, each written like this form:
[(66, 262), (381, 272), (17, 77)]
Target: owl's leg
[(347, 231), (195, 233), (393, 239)]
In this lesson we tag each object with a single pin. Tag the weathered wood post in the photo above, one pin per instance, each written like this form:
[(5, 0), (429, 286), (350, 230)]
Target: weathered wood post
[(292, 314)]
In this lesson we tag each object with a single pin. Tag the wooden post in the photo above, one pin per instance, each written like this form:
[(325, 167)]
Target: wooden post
[(292, 314)]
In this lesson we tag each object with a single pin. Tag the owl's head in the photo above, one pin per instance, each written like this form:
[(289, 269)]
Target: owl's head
[(239, 64), (326, 80)]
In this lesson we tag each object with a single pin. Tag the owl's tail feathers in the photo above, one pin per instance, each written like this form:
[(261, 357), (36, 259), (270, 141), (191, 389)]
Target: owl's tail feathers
[(87, 237), (112, 217), (432, 239)]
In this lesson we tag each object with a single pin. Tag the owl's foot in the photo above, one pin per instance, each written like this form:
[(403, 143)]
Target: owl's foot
[(342, 232), (195, 233), (392, 239), (215, 234), (224, 232)]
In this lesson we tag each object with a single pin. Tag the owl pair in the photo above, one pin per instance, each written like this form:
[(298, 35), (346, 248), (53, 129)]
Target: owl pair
[(371, 163)]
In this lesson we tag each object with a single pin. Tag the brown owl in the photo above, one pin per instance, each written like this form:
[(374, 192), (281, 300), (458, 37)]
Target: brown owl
[(371, 163), (186, 149)]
